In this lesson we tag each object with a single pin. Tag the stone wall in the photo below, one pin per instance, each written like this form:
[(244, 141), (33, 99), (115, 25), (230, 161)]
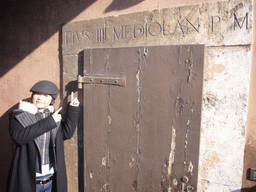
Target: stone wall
[(225, 28), (30, 51)]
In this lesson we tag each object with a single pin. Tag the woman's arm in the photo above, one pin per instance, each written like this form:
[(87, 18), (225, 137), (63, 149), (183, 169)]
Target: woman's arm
[(69, 126), (22, 135)]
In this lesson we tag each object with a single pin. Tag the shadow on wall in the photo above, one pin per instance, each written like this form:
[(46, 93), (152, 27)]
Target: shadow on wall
[(72, 87), (7, 147), (25, 24), (121, 4), (252, 189)]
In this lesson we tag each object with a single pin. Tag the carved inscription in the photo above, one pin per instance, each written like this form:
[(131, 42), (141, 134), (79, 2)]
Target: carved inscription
[(75, 37), (240, 25), (101, 35), (213, 24), (215, 20), (153, 29)]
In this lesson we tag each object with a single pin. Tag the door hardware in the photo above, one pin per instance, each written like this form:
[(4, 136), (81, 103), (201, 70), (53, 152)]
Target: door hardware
[(97, 79), (185, 179)]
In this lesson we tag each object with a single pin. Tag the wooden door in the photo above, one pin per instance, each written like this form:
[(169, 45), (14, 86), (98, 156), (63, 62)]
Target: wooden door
[(143, 136)]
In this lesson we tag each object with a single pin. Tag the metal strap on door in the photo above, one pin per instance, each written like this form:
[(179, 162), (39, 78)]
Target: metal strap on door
[(97, 79)]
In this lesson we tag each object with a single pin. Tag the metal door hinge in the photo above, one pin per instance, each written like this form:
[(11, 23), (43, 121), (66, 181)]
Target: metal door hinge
[(96, 79)]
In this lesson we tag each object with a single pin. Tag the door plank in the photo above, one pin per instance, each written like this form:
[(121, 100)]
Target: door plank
[(145, 136)]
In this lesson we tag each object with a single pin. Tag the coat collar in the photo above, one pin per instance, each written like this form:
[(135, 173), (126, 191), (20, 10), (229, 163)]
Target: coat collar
[(31, 108)]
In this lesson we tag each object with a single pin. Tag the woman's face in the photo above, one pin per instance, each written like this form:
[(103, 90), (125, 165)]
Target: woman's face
[(41, 100)]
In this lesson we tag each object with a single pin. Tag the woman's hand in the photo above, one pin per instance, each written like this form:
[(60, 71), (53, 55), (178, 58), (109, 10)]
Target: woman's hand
[(74, 101), (56, 116)]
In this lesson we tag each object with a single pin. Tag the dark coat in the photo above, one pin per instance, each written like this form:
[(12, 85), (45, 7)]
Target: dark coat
[(23, 168)]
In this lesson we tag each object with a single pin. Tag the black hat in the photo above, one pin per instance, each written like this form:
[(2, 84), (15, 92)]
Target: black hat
[(47, 87)]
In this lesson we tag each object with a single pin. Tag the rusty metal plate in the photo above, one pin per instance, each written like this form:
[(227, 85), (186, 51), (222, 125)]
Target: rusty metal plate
[(144, 136), (100, 79)]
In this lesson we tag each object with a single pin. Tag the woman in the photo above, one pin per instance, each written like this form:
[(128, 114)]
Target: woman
[(38, 131)]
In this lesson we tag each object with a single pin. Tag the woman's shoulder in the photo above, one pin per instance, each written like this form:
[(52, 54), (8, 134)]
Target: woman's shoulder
[(16, 112), (24, 107)]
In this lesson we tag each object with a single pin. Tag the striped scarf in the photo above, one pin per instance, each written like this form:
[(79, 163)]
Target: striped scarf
[(29, 116)]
